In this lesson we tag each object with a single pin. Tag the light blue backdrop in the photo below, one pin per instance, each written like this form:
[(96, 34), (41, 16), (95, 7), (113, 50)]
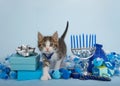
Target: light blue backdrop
[(20, 20)]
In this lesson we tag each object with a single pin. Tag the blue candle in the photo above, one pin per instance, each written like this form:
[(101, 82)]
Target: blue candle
[(95, 39), (77, 40), (90, 40), (80, 40), (86, 41), (83, 40), (74, 41), (71, 42)]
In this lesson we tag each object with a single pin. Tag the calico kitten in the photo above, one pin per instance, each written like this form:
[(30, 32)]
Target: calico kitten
[(53, 50)]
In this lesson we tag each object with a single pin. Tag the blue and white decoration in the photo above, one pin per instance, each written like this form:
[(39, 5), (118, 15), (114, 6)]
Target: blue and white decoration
[(98, 62), (83, 41)]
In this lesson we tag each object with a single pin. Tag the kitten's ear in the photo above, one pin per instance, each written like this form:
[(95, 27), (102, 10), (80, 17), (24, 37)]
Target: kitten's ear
[(40, 36), (55, 36)]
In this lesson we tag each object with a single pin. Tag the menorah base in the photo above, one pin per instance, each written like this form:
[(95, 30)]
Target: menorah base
[(84, 66), (86, 73)]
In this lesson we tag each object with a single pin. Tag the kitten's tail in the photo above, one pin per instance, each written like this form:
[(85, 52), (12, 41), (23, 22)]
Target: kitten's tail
[(64, 34)]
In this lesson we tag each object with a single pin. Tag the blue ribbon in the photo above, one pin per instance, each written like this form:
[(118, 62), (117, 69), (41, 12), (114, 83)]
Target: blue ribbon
[(48, 56)]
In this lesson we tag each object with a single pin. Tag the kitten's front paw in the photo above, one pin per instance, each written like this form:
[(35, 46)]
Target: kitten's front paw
[(47, 77), (44, 78)]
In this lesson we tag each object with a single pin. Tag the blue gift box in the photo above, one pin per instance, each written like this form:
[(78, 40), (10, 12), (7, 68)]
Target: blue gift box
[(18, 62), (100, 71), (29, 75)]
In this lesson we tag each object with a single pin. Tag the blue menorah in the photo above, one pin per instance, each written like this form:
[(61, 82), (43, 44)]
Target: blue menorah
[(83, 46)]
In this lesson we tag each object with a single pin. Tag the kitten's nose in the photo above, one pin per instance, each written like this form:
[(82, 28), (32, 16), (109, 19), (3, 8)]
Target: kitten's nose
[(47, 49)]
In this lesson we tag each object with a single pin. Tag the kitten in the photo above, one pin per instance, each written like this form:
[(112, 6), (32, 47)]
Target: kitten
[(53, 50)]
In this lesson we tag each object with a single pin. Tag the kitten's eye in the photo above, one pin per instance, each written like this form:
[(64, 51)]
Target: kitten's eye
[(44, 44), (39, 45), (56, 45), (51, 44)]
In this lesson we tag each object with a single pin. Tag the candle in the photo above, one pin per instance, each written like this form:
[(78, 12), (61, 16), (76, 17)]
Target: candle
[(95, 39), (74, 41), (86, 41), (90, 40), (83, 40), (77, 40), (71, 42), (80, 40)]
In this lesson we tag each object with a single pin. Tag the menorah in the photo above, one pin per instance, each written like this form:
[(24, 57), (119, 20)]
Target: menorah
[(84, 48)]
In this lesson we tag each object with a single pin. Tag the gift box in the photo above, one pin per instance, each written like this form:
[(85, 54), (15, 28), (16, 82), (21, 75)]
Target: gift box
[(29, 75), (18, 62), (100, 71)]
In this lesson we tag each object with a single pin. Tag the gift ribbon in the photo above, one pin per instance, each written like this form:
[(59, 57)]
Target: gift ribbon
[(25, 50)]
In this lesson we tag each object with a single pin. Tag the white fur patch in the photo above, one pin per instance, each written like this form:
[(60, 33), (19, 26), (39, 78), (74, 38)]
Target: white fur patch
[(47, 43), (46, 75), (54, 57), (58, 63)]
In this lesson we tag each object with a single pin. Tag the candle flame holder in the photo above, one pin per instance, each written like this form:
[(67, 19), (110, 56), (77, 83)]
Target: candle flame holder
[(83, 52)]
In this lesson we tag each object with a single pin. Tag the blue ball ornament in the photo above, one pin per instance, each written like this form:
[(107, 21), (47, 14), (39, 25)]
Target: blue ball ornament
[(65, 74), (13, 74), (4, 75), (78, 70), (6, 69), (56, 74), (1, 66)]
